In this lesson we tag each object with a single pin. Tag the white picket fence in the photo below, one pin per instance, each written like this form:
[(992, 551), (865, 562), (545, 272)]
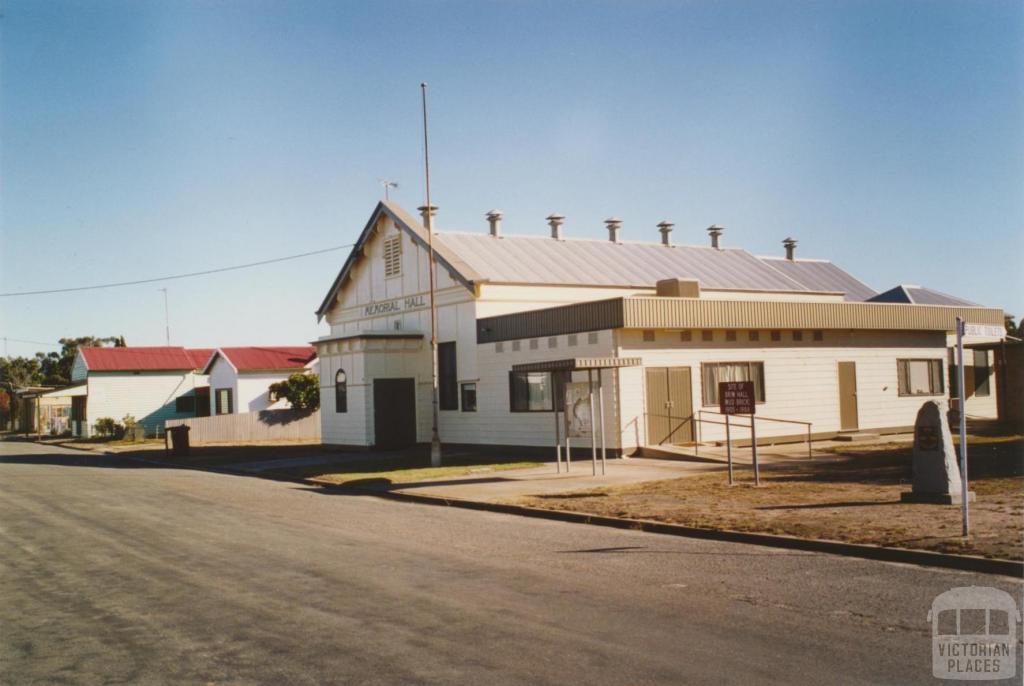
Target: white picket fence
[(252, 427)]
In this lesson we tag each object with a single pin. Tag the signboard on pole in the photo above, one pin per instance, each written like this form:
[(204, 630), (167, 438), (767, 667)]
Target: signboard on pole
[(736, 397), (577, 410)]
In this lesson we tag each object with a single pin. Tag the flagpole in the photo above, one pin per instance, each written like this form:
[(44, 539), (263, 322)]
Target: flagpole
[(435, 437)]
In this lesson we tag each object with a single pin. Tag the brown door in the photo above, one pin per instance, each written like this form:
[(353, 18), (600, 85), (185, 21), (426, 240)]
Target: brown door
[(394, 413), (848, 396), (669, 405)]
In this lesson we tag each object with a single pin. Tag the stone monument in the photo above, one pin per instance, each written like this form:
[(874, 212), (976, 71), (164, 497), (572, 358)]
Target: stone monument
[(936, 470)]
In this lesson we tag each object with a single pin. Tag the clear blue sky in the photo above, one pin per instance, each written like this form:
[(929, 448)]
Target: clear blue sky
[(149, 138)]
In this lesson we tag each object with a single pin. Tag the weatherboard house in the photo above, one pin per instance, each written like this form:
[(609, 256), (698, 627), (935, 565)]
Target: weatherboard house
[(240, 378), (657, 324), (152, 384)]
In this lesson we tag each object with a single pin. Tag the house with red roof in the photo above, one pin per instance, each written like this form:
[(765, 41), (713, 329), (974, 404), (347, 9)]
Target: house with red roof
[(240, 378), (151, 384)]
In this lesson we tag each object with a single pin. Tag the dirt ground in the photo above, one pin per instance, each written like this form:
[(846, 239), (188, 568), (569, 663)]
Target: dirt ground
[(854, 498)]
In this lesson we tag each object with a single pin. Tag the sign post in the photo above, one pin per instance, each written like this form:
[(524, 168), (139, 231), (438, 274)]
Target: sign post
[(728, 448), (961, 326), (737, 397)]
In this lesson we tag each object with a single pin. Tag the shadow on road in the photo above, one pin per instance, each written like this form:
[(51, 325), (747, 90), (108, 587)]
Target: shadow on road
[(83, 460)]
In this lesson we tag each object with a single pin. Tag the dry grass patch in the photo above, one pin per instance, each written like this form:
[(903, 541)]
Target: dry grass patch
[(854, 498)]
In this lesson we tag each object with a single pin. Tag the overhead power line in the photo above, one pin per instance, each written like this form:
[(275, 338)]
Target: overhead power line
[(175, 276), (23, 340)]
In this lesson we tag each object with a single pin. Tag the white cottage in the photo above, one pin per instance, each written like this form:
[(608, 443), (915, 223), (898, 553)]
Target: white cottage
[(657, 324), (240, 378), (152, 384)]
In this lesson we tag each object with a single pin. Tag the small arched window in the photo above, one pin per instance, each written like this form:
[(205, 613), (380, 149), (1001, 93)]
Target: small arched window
[(340, 391)]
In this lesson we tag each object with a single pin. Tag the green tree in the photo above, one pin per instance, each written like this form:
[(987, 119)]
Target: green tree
[(1012, 327), (56, 367), (302, 390)]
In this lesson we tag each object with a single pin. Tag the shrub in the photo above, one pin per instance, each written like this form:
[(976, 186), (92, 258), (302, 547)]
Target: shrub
[(107, 427), (301, 389)]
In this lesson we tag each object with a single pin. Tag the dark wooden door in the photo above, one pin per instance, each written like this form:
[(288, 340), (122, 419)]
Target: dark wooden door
[(848, 396), (394, 413), (669, 405)]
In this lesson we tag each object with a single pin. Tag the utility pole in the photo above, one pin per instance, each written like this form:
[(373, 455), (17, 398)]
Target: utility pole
[(167, 318), (435, 437)]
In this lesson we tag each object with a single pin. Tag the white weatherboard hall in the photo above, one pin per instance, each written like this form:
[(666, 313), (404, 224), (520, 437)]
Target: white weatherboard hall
[(518, 316)]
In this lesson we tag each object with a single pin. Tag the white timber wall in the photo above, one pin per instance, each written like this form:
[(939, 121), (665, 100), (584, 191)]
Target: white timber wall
[(147, 396), (984, 406), (363, 361), (223, 375), (800, 377), (254, 391), (494, 423)]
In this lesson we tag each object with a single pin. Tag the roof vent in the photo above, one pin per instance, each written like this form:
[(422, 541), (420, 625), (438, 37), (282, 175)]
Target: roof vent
[(555, 221), (678, 288), (666, 228), (715, 231), (790, 245), (428, 216), (494, 219), (613, 224)]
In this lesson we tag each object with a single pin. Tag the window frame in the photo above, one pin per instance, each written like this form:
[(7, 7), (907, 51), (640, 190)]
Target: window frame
[(463, 388), (340, 391), (218, 406), (556, 383), (709, 392), (903, 376)]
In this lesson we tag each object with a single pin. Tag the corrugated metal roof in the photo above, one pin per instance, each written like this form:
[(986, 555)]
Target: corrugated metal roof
[(268, 357), (200, 356), (917, 295), (539, 260), (822, 275), (137, 358)]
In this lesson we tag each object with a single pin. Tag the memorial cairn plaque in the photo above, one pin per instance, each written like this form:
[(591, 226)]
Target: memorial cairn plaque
[(936, 471)]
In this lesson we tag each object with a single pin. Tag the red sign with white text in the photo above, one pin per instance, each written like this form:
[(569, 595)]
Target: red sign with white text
[(736, 397)]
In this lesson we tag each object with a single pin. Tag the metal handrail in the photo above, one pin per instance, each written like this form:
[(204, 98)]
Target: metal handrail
[(767, 419), (699, 419)]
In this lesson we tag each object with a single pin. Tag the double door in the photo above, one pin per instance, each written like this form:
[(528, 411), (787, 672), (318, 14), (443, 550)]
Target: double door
[(669, 405)]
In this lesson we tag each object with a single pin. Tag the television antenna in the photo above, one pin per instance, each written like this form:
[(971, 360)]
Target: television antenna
[(387, 186)]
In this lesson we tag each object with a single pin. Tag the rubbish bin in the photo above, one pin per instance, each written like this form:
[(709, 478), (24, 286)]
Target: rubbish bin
[(179, 439)]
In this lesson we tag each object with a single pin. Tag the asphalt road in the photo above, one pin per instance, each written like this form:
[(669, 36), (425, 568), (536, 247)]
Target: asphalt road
[(115, 573)]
